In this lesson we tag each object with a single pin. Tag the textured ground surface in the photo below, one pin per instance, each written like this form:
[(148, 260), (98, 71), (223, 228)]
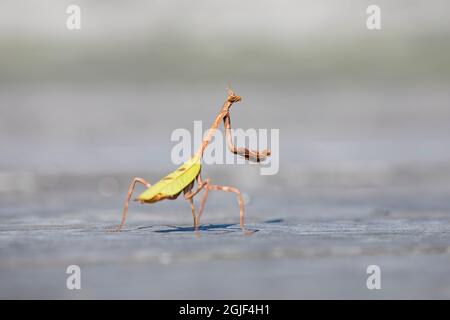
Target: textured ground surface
[(318, 244), (359, 184)]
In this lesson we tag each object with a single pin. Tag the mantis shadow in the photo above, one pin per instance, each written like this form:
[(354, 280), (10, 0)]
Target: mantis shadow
[(228, 228), (207, 227), (190, 229), (274, 221)]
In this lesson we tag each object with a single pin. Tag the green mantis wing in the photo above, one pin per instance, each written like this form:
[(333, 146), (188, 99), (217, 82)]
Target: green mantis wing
[(173, 183)]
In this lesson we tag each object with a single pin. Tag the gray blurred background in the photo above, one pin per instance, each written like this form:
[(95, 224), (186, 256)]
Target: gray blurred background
[(364, 130)]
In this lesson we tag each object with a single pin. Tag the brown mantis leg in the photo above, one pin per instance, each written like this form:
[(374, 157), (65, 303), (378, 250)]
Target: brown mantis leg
[(202, 203), (189, 195), (227, 189), (191, 202), (127, 200), (248, 154)]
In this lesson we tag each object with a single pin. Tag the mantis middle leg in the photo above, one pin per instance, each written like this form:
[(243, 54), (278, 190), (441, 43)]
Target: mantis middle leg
[(189, 195)]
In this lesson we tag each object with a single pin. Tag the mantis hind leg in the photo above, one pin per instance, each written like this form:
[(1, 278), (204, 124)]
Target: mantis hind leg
[(127, 200)]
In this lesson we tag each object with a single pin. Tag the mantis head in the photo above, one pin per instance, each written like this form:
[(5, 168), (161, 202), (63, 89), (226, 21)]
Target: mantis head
[(232, 97)]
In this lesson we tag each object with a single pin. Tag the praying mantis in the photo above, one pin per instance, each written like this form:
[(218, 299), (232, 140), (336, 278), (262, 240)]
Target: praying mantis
[(183, 179)]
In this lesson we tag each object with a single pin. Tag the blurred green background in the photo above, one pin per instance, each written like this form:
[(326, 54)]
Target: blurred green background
[(107, 97)]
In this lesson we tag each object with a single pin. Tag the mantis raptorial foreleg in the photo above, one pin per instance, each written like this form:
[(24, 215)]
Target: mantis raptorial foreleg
[(251, 155), (127, 200)]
